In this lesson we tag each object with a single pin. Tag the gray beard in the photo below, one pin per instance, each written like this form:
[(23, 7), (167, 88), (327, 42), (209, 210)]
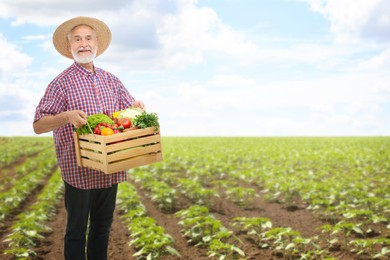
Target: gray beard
[(84, 59)]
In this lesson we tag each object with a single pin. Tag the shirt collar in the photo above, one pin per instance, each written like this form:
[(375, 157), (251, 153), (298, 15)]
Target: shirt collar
[(83, 70)]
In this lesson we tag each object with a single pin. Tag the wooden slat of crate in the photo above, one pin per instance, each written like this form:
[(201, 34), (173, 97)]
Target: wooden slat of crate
[(77, 148), (133, 143), (128, 153), (90, 146), (87, 162), (132, 134), (135, 162), (91, 137), (91, 154)]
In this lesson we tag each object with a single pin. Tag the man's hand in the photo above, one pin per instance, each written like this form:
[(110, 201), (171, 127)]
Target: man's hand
[(76, 117), (51, 122), (139, 104)]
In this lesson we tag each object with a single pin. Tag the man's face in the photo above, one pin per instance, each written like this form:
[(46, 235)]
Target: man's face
[(83, 44)]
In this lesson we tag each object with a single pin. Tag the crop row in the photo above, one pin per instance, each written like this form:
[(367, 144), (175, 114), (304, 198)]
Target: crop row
[(30, 225), (148, 238), (13, 197)]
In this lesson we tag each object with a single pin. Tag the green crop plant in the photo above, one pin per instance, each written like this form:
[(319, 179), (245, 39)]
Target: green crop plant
[(167, 177), (162, 194), (203, 230), (222, 185), (244, 197), (141, 176), (255, 227), (368, 247), (193, 211), (222, 250), (345, 229), (150, 239), (194, 191), (282, 239)]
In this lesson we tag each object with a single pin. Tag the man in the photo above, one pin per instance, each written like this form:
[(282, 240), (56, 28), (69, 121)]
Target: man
[(81, 90)]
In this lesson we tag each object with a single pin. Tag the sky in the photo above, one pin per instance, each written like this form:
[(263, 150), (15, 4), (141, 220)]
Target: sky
[(216, 68)]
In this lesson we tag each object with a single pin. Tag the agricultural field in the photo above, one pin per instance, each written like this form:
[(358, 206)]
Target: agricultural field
[(215, 198)]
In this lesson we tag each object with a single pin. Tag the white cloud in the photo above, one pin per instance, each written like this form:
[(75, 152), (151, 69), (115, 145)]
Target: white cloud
[(49, 12), (380, 61), (20, 90), (194, 30), (354, 19), (231, 81), (11, 59), (15, 99), (172, 38)]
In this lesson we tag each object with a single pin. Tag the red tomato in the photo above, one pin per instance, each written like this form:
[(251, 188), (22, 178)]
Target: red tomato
[(97, 130), (125, 122)]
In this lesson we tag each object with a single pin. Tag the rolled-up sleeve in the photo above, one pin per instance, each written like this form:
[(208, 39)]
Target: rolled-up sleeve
[(52, 102)]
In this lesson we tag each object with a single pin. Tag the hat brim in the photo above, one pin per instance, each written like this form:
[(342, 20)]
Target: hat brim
[(60, 36)]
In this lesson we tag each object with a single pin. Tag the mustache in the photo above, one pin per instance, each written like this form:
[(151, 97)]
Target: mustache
[(83, 49)]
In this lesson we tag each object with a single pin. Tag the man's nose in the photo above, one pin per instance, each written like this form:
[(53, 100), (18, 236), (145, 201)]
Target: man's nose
[(83, 42)]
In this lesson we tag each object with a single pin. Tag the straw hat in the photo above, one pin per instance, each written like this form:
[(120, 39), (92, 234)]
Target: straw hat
[(60, 36)]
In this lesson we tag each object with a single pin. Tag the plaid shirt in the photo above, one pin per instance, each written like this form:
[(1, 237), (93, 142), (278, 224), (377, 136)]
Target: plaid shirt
[(76, 88)]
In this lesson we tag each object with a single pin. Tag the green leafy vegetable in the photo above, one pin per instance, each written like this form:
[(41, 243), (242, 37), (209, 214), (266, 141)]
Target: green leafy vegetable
[(146, 120), (93, 121)]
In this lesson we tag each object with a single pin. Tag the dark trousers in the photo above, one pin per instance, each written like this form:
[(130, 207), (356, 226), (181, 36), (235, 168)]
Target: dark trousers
[(99, 206)]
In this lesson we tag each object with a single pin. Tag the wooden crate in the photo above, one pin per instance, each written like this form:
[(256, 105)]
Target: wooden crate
[(118, 152)]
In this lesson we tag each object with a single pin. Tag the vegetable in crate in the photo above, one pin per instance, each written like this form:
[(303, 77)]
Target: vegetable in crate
[(130, 113), (93, 121), (146, 120), (125, 122)]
